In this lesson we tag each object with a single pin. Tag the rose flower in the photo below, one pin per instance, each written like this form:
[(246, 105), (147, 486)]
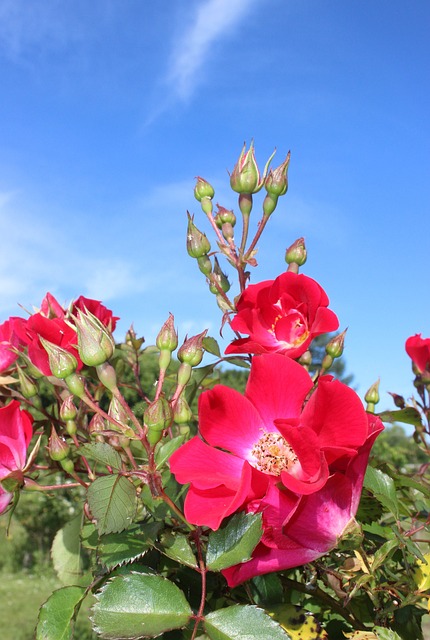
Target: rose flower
[(15, 435), (418, 349), (282, 316), (298, 460)]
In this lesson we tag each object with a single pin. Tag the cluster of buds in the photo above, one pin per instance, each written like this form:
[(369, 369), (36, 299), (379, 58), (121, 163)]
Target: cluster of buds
[(246, 180)]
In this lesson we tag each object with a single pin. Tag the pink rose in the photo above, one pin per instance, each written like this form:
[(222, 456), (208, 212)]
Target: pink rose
[(15, 435), (276, 451), (9, 342), (418, 349), (282, 316)]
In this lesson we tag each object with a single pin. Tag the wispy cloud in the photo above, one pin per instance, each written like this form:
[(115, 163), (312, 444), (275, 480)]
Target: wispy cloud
[(213, 20)]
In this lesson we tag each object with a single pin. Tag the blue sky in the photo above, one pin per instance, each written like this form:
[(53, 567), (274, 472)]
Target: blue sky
[(109, 109)]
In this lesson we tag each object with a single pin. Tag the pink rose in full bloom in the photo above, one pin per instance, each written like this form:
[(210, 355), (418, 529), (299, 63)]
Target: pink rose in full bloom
[(299, 461), (15, 435), (281, 316), (418, 349), (9, 342), (52, 323)]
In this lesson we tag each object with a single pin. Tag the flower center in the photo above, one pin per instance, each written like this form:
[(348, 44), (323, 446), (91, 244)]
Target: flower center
[(272, 454)]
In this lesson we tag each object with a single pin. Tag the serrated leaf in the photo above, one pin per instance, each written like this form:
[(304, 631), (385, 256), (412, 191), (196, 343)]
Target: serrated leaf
[(235, 542), (242, 623), (383, 552), (112, 501), (409, 415), (383, 488), (164, 452), (139, 605), (177, 547), (119, 548), (89, 536), (211, 346), (55, 621), (66, 551), (103, 453), (299, 623)]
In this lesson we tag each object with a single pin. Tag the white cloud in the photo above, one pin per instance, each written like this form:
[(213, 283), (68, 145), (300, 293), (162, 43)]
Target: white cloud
[(212, 20)]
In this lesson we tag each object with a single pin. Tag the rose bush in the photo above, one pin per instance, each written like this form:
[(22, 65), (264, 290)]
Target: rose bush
[(418, 349), (275, 450), (282, 315), (15, 435)]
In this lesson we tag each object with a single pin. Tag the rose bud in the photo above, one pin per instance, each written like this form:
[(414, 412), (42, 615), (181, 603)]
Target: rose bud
[(191, 352), (218, 277), (157, 417), (61, 362), (372, 397), (203, 189), (276, 183), (95, 341), (334, 348), (58, 448), (296, 253), (197, 243), (28, 388), (68, 409), (182, 413), (245, 177), (168, 336)]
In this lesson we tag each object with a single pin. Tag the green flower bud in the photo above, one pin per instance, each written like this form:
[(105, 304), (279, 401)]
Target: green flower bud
[(191, 352), (58, 448), (95, 341), (107, 376), (224, 216), (68, 466), (158, 416), (197, 243), (276, 183), (97, 424), (168, 336), (399, 401), (75, 385), (28, 388), (218, 277), (203, 189), (68, 409), (269, 204), (372, 397), (245, 177), (61, 362), (335, 347), (182, 413), (205, 265), (296, 253)]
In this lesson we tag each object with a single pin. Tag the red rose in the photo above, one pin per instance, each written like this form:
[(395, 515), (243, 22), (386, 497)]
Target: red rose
[(418, 349), (53, 322), (15, 434), (9, 342), (282, 316), (269, 435)]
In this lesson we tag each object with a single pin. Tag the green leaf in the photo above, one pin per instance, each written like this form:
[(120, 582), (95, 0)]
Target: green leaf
[(409, 415), (112, 501), (386, 634), (238, 362), (235, 542), (383, 488), (118, 548), (66, 551), (242, 623), (211, 346), (267, 589), (137, 604), (89, 536), (164, 452), (383, 552), (298, 622), (57, 613), (103, 453), (177, 547)]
